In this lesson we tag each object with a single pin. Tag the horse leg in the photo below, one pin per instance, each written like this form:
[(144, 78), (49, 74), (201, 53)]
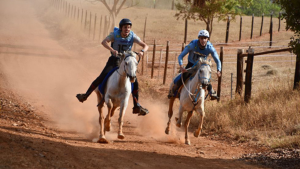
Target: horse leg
[(102, 138), (202, 114), (120, 120), (178, 120), (170, 114), (187, 123), (108, 116)]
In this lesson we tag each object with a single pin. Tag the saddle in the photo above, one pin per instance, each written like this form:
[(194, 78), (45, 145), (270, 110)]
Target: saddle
[(102, 85)]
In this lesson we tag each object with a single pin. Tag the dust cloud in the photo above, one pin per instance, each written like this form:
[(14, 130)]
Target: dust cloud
[(48, 60)]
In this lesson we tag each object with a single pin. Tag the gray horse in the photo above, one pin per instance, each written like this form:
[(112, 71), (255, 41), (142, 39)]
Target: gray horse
[(192, 98)]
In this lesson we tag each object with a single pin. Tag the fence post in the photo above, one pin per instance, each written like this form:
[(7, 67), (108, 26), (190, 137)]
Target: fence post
[(271, 33), (227, 29), (231, 86), (153, 59), (271, 20), (175, 64), (95, 26), (239, 72), (248, 78), (279, 21), (241, 23), (182, 47), (166, 62), (145, 29), (185, 30), (297, 73), (262, 23), (252, 26), (85, 19), (90, 24), (160, 59), (100, 27), (173, 4), (220, 78)]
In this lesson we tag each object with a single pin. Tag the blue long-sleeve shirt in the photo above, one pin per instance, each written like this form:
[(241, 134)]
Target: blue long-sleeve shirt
[(194, 47)]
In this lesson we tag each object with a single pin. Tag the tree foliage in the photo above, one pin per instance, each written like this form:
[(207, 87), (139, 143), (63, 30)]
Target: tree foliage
[(260, 7), (208, 10), (291, 15)]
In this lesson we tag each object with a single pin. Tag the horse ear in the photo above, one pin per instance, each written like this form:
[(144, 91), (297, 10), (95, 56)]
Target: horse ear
[(209, 62)]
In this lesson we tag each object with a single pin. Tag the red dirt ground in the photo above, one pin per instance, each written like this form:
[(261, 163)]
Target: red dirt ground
[(42, 125)]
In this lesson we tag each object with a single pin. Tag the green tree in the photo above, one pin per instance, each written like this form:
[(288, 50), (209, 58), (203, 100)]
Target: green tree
[(208, 10), (291, 15), (260, 7)]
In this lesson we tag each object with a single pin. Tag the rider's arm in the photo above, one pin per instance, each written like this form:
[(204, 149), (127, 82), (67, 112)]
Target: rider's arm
[(106, 42), (142, 44), (215, 56)]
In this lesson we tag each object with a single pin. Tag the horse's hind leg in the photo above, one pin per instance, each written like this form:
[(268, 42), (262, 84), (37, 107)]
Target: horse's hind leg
[(170, 114), (187, 123)]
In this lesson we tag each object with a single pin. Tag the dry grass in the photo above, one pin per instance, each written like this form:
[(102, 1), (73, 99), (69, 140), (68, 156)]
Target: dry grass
[(271, 118)]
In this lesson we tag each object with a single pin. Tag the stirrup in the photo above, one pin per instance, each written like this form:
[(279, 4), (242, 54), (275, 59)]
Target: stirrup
[(81, 97)]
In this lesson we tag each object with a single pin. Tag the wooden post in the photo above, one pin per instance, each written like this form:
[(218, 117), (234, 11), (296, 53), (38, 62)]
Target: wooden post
[(182, 47), (145, 29), (248, 78), (185, 31), (239, 72), (173, 4), (153, 59), (271, 33), (90, 24), (95, 26), (143, 64), (279, 21), (271, 20), (159, 66), (100, 29), (241, 23), (297, 73), (78, 14), (85, 19), (262, 23), (166, 63), (227, 29), (220, 78), (81, 16), (175, 64), (252, 26)]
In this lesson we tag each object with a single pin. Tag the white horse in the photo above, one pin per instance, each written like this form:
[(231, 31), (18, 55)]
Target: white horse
[(192, 98), (117, 93)]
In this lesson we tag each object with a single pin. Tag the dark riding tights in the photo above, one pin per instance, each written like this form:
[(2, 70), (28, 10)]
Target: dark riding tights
[(112, 62)]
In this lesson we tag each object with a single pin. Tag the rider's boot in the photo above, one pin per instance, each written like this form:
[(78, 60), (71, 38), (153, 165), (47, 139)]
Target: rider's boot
[(138, 109), (83, 96), (212, 93)]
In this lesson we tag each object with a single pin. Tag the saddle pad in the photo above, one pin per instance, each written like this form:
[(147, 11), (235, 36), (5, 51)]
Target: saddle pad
[(102, 85)]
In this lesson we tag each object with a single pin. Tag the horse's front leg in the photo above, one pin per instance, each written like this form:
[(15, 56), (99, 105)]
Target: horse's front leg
[(100, 105), (187, 123), (170, 114), (202, 114), (108, 116), (123, 107)]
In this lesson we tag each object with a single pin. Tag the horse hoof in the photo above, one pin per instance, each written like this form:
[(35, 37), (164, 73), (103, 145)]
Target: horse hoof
[(178, 125), (167, 131), (121, 136), (187, 142), (107, 128), (176, 119), (196, 134), (102, 141)]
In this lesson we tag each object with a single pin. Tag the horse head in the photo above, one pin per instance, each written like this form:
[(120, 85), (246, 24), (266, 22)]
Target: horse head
[(130, 64), (204, 71)]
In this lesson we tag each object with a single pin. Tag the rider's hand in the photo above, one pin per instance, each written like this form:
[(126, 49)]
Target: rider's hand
[(219, 74), (114, 52), (140, 54), (183, 70)]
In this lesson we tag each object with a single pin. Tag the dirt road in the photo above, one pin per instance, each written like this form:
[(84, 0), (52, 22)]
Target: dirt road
[(42, 125)]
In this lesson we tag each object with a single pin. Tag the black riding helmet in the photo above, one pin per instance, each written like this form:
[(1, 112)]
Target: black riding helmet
[(124, 21)]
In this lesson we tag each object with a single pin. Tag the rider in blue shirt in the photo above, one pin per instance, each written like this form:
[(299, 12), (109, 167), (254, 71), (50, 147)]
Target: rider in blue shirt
[(121, 39), (200, 47)]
